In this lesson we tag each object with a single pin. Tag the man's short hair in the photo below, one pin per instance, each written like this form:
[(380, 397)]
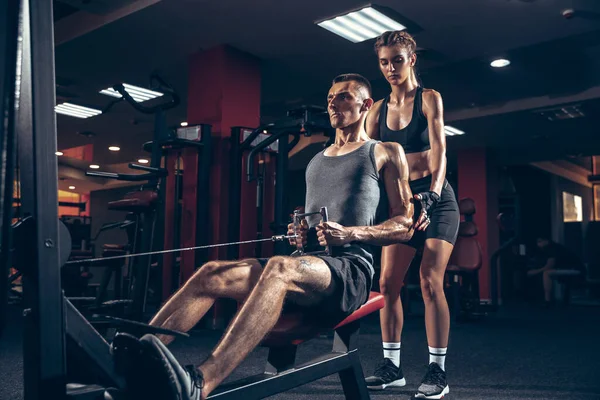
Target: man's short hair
[(362, 82)]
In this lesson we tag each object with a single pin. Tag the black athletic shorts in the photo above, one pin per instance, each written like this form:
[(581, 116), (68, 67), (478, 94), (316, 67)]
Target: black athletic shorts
[(352, 276), (445, 217)]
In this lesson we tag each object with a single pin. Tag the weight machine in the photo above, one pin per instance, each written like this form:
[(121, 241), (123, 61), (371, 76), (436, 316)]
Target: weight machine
[(246, 146), (51, 322)]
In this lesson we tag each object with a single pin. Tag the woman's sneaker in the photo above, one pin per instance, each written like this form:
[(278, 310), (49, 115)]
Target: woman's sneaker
[(434, 385), (386, 375)]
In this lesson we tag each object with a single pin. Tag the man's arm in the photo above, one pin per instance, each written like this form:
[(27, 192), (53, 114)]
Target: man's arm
[(399, 228), (550, 264)]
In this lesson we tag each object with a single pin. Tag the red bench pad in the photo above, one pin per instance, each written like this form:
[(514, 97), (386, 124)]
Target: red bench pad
[(295, 328)]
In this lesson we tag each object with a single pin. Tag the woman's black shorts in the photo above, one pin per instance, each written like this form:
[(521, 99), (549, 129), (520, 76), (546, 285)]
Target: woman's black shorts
[(445, 217)]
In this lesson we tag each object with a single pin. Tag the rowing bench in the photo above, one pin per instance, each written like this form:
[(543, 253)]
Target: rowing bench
[(281, 374)]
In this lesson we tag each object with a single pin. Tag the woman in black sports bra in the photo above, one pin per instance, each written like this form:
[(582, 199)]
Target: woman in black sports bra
[(413, 116)]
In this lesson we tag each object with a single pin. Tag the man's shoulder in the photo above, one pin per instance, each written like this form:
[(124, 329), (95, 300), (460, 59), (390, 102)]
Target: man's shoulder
[(389, 148), (389, 154)]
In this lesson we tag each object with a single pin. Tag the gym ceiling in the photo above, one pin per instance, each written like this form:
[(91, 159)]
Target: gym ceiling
[(555, 61)]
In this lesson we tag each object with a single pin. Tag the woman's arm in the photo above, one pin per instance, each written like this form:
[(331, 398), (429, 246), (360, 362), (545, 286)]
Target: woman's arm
[(433, 109)]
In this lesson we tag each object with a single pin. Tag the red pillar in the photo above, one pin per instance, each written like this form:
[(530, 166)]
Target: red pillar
[(477, 180), (223, 91)]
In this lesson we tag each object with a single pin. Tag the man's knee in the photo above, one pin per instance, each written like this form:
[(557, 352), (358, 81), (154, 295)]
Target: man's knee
[(546, 274), (207, 277), (280, 268)]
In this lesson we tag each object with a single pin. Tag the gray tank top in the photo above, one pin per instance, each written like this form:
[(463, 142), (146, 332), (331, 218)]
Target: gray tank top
[(350, 187)]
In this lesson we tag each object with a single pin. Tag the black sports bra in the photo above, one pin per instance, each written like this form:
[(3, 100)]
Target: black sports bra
[(414, 138)]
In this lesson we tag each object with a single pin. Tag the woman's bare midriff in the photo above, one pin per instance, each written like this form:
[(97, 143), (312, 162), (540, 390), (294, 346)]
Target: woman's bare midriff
[(419, 164)]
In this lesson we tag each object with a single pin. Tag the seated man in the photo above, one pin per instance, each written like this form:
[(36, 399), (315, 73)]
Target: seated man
[(356, 179), (552, 258)]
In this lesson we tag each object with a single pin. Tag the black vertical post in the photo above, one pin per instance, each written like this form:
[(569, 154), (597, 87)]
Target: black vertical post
[(9, 22), (235, 190), (159, 136), (281, 212), (44, 369), (203, 190)]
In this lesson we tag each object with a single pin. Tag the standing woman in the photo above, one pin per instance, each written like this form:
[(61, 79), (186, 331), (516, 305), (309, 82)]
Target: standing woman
[(413, 117)]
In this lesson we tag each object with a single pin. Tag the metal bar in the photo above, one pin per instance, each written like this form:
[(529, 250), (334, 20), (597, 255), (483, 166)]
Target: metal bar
[(85, 392), (203, 188), (235, 190), (281, 209), (83, 334), (44, 366), (353, 380), (265, 385), (69, 204), (9, 22), (280, 136)]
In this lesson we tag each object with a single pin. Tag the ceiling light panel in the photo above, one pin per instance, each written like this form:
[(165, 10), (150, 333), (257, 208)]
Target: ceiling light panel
[(137, 93), (361, 25), (74, 110), (452, 131)]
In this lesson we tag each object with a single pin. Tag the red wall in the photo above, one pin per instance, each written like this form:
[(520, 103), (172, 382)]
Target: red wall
[(473, 183)]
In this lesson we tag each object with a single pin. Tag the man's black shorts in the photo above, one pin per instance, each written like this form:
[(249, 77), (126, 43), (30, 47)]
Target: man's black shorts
[(352, 279)]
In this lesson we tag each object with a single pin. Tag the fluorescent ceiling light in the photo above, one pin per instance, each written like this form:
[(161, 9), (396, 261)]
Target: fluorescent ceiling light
[(143, 161), (71, 187), (361, 25), (500, 63), (184, 124), (114, 148), (452, 131), (137, 93), (563, 112), (94, 166), (59, 153), (74, 110)]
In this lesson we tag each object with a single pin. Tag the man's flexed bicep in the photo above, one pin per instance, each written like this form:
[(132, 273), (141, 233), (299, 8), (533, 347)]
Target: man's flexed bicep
[(391, 162), (395, 176)]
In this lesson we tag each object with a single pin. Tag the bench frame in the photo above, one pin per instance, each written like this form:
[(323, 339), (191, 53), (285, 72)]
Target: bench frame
[(281, 374)]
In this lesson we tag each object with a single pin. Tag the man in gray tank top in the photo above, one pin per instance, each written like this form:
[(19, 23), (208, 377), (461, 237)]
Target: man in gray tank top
[(360, 181)]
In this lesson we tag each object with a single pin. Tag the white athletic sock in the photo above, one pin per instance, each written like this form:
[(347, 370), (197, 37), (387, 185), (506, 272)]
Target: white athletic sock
[(438, 355), (391, 350)]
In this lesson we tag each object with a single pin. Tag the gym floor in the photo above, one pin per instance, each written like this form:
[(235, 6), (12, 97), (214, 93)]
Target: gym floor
[(521, 352)]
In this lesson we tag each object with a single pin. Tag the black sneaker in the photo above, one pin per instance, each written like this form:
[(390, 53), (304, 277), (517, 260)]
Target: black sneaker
[(386, 375), (434, 385), (176, 382)]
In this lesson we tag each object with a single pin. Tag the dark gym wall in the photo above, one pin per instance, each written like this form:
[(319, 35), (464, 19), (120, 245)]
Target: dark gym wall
[(533, 188)]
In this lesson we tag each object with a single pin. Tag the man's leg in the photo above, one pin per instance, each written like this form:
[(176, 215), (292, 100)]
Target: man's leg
[(215, 279), (304, 280)]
